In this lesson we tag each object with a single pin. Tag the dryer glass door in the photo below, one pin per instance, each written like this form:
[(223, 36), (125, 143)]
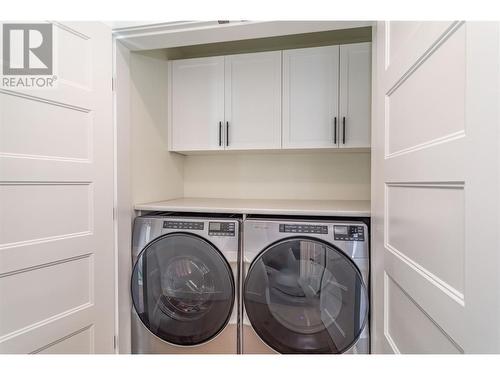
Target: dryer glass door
[(306, 296), (183, 289)]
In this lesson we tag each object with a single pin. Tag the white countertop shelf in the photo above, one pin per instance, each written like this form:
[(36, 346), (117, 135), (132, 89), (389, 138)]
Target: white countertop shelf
[(360, 208)]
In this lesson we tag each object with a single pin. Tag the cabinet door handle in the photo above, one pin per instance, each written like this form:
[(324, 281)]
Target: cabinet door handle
[(220, 133), (227, 133), (343, 130), (335, 130)]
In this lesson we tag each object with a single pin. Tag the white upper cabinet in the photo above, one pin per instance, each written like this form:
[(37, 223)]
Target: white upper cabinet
[(355, 95), (302, 98), (196, 109), (310, 97), (253, 101)]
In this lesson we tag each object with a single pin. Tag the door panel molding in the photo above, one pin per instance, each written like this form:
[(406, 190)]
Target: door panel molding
[(431, 327), (423, 232), (435, 195), (57, 261), (418, 47)]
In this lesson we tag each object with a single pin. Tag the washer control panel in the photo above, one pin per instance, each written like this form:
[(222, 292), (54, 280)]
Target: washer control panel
[(303, 228), (221, 228), (191, 225), (349, 232)]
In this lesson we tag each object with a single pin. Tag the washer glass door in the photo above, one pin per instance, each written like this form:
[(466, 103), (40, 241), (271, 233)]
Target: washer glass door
[(182, 289), (303, 295)]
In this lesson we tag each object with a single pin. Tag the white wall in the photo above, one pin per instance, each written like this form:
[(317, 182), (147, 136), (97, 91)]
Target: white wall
[(156, 173), (286, 175), (123, 204)]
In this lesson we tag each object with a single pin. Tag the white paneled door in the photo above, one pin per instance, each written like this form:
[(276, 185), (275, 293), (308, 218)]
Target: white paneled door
[(435, 188), (56, 203)]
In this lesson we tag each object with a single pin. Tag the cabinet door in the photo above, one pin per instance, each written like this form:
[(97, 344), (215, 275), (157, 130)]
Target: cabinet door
[(197, 104), (355, 95), (253, 101), (310, 97)]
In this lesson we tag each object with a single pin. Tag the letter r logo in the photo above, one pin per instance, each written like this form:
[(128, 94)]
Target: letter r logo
[(27, 49)]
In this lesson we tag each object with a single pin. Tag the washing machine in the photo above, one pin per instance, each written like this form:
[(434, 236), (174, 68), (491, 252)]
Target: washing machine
[(184, 284), (305, 286)]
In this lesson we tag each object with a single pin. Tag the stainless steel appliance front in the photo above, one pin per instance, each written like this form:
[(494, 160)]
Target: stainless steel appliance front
[(305, 286), (184, 285)]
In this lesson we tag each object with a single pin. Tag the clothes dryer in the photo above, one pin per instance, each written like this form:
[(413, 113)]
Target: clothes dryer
[(183, 284), (305, 286)]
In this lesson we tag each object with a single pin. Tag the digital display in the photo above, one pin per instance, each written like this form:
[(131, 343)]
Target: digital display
[(214, 227), (221, 229), (349, 233), (340, 229)]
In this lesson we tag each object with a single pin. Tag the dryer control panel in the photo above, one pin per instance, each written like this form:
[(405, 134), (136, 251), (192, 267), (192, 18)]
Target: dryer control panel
[(191, 225), (221, 228), (349, 232), (303, 228)]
